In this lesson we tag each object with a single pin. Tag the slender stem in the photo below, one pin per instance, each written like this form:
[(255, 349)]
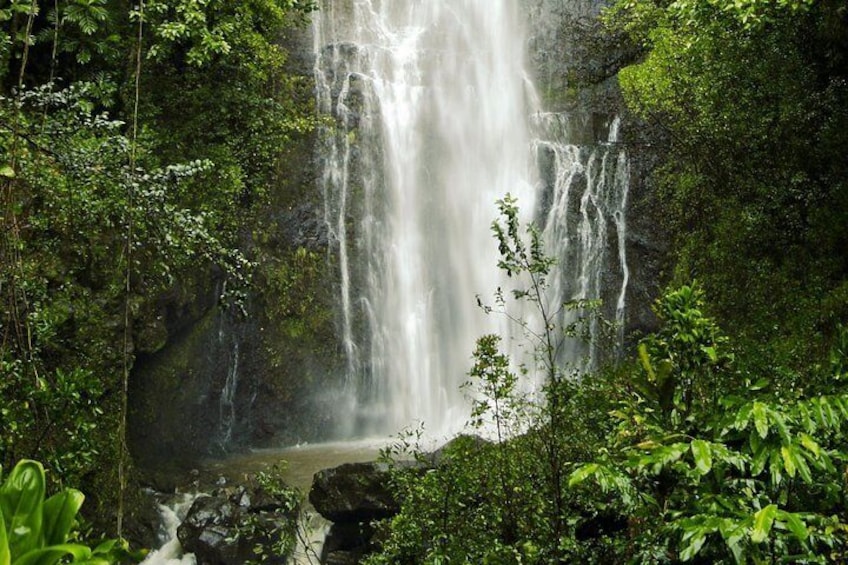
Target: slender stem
[(19, 302), (54, 54), (33, 8), (122, 460)]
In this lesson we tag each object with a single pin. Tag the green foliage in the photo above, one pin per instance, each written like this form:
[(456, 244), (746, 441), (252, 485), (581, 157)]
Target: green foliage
[(683, 362), (504, 501), (237, 103), (751, 98), (204, 31), (730, 476), (495, 383), (273, 542), (56, 418), (680, 456), (87, 30), (751, 13), (293, 282), (476, 507), (78, 198), (38, 531), (217, 103)]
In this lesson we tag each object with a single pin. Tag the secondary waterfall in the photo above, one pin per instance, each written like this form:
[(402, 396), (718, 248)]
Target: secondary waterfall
[(436, 118)]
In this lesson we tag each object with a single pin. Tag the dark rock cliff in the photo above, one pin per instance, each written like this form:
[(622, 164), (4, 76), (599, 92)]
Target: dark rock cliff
[(214, 379)]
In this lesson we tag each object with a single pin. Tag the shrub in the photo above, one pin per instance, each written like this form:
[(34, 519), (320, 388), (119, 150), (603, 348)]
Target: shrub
[(35, 531)]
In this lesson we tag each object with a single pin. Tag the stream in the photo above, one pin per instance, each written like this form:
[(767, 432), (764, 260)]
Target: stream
[(298, 465)]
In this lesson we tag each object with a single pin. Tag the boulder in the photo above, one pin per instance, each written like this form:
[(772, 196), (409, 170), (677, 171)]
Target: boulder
[(142, 519), (225, 527), (209, 529), (353, 493)]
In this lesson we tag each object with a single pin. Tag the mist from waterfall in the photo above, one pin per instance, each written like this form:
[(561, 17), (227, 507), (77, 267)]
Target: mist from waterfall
[(435, 119)]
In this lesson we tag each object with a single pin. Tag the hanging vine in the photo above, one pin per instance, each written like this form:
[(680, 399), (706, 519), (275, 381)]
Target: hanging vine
[(18, 303), (127, 355)]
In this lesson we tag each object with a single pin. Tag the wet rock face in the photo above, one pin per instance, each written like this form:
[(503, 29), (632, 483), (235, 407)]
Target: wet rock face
[(211, 381), (225, 527), (575, 60), (352, 496), (353, 493)]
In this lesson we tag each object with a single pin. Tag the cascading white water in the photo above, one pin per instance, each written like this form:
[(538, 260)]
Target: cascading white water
[(227, 416), (588, 196), (227, 402), (436, 119), (431, 99), (170, 551)]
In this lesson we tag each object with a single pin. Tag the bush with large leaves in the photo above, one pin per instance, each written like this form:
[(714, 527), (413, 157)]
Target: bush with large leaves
[(35, 531), (703, 463), (707, 464)]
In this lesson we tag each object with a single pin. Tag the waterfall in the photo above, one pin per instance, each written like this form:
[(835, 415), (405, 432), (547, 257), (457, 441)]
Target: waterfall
[(435, 118), (586, 192), (227, 416), (170, 551)]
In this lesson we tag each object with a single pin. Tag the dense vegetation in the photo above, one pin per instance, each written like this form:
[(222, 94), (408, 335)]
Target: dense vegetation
[(752, 99), (137, 142), (723, 439)]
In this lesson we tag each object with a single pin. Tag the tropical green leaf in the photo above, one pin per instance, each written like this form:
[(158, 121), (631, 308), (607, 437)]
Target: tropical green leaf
[(801, 464), (60, 510), (661, 456), (21, 497), (5, 553), (780, 423), (582, 474), (794, 524), (743, 416), (108, 546), (842, 405), (739, 460), (693, 545), (788, 460), (54, 554), (775, 467), (645, 359), (703, 457), (810, 444), (760, 420), (733, 533), (759, 385), (763, 521), (829, 413)]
